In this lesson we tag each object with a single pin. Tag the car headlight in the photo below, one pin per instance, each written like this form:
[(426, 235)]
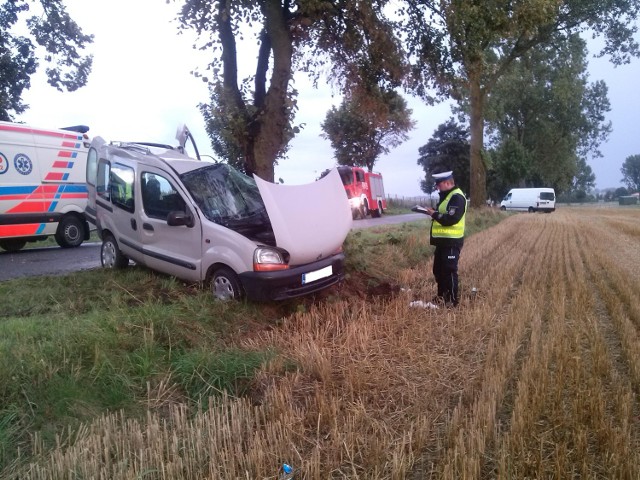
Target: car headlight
[(268, 259)]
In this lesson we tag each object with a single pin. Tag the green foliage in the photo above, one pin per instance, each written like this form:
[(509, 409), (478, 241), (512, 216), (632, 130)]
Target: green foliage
[(464, 47), (631, 172), (51, 29), (447, 149), (367, 126), (545, 118), (250, 119)]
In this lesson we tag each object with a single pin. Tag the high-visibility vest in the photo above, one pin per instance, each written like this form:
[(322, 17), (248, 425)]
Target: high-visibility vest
[(453, 231)]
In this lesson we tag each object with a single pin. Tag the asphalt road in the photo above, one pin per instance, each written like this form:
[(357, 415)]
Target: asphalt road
[(32, 262)]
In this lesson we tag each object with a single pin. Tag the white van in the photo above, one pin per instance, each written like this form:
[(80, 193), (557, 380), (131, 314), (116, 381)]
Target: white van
[(42, 185), (206, 222), (530, 200)]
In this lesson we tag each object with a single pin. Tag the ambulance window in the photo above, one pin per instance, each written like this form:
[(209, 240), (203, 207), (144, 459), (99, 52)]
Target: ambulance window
[(92, 166), (121, 186)]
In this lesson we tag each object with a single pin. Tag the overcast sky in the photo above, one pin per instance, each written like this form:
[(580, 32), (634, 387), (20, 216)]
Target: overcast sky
[(141, 89)]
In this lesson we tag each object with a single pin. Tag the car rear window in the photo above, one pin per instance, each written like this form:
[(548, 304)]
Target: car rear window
[(547, 196)]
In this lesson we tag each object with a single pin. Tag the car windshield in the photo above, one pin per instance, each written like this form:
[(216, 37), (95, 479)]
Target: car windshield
[(230, 198)]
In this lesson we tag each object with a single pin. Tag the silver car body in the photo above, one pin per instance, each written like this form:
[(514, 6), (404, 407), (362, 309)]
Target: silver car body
[(222, 220)]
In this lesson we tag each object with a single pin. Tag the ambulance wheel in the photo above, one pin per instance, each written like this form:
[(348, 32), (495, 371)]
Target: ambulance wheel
[(531, 210), (70, 232), (225, 284), (503, 208), (110, 254), (12, 244)]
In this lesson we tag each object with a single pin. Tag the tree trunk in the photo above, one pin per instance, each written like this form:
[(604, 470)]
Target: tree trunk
[(478, 172), (271, 124)]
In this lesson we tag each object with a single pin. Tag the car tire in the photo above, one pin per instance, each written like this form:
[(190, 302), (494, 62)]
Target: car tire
[(12, 244), (110, 254), (531, 210), (70, 232), (225, 284), (503, 208)]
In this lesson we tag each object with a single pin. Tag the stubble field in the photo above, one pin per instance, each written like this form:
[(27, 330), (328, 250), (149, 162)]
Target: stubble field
[(536, 376)]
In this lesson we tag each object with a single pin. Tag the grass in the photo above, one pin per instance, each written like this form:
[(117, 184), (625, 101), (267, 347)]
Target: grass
[(135, 374)]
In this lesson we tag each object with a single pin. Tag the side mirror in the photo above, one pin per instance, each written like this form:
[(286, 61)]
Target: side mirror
[(178, 218)]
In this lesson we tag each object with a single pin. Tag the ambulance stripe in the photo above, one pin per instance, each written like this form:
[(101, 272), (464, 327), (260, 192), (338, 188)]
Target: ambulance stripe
[(53, 176), (20, 230), (71, 144), (61, 164), (35, 131), (17, 190), (29, 207), (67, 154)]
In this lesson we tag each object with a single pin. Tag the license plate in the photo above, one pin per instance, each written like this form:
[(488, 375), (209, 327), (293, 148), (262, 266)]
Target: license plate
[(317, 275)]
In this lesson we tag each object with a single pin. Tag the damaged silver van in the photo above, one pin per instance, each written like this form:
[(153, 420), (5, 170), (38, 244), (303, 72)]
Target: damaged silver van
[(206, 222)]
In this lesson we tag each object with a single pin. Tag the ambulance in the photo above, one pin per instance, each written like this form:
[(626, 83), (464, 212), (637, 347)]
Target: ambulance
[(42, 185)]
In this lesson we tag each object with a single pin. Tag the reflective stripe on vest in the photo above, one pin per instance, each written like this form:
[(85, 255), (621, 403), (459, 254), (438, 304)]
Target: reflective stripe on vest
[(453, 231)]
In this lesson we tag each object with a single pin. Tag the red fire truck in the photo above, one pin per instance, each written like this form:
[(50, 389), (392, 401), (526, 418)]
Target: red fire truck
[(364, 190)]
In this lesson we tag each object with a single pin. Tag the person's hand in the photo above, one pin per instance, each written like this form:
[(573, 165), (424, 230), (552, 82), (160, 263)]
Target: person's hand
[(430, 210)]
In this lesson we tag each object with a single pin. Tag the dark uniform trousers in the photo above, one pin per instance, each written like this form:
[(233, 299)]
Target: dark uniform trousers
[(445, 271)]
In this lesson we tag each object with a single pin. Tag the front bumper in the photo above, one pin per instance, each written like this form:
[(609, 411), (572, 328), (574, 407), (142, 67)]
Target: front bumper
[(285, 284)]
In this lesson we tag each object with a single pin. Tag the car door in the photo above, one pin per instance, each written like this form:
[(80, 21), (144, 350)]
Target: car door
[(176, 250), (116, 208)]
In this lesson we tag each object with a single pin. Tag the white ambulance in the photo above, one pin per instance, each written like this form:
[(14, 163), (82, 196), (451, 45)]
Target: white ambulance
[(42, 185)]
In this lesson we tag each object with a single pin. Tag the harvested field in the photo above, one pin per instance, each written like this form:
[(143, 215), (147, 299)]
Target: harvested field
[(536, 376)]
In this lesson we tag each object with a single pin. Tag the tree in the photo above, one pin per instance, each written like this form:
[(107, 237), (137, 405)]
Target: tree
[(342, 39), (631, 172), (360, 133), (545, 118), (51, 29), (464, 46), (584, 180), (448, 148)]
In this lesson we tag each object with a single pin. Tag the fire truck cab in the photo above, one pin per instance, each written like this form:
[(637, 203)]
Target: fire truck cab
[(365, 191)]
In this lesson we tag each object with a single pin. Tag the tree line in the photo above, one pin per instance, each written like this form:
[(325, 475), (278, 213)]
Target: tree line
[(515, 70)]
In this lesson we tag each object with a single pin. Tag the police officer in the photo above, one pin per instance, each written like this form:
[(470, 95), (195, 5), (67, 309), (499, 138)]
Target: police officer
[(447, 235)]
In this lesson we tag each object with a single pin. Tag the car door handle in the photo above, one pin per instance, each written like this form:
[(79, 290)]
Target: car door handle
[(134, 224), (147, 226)]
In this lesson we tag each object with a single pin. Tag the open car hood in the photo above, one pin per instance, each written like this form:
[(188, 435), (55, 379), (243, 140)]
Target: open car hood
[(310, 221)]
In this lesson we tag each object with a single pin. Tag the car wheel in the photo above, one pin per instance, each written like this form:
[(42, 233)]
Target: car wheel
[(70, 232), (12, 244), (503, 208), (225, 284), (110, 254), (531, 210)]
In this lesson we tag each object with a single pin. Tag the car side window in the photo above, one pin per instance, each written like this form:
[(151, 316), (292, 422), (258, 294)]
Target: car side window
[(159, 197), (121, 187), (102, 181)]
